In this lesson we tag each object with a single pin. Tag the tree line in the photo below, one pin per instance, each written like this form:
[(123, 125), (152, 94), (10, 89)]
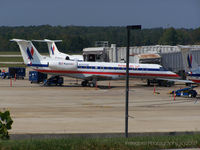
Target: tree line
[(75, 38)]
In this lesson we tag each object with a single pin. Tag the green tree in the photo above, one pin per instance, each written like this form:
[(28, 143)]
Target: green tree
[(195, 35), (75, 38), (169, 37), (5, 124)]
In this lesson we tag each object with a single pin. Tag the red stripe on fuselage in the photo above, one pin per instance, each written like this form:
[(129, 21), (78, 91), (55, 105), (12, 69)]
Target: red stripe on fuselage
[(196, 81), (107, 73)]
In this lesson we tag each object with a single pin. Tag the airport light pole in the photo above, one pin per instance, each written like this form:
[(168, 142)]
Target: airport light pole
[(132, 27)]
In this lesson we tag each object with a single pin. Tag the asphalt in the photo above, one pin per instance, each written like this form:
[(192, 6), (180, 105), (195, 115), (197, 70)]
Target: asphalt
[(72, 109)]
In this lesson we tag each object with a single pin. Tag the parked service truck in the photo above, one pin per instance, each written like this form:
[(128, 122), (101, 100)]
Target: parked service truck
[(14, 72), (37, 77)]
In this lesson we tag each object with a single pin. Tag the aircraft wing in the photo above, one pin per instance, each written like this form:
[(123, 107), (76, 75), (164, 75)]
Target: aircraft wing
[(176, 80), (98, 77)]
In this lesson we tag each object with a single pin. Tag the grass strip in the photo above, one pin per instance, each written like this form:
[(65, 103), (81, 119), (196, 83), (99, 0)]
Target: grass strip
[(139, 143)]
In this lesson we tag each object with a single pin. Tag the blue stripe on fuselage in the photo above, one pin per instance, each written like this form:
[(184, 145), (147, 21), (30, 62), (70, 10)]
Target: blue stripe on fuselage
[(105, 68), (194, 75), (38, 65), (118, 68)]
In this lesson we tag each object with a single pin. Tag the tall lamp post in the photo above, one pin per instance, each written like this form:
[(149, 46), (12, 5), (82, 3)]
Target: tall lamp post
[(132, 27)]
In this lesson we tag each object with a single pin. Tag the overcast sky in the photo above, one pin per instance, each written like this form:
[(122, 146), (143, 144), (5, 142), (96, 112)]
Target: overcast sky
[(148, 13)]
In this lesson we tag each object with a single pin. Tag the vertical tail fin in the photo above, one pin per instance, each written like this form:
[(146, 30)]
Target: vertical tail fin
[(53, 50), (29, 52), (188, 60)]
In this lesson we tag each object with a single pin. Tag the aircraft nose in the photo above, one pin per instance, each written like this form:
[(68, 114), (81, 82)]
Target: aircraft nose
[(177, 76)]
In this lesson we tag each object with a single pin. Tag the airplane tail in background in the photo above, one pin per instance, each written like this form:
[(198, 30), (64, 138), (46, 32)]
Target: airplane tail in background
[(189, 62), (29, 52), (55, 53), (53, 50)]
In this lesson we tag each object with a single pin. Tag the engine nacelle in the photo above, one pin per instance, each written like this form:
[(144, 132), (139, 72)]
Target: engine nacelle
[(63, 65)]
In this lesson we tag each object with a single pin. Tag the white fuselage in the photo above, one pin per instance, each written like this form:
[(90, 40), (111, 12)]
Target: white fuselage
[(194, 76), (101, 70), (65, 56)]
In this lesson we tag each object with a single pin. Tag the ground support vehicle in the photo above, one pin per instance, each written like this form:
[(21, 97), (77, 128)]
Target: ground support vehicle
[(54, 80), (187, 92), (14, 72), (37, 77)]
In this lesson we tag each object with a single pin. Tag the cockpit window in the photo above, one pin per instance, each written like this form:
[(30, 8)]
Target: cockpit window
[(67, 58), (163, 69)]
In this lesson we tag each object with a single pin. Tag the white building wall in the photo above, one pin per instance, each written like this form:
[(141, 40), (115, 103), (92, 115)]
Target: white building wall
[(171, 56)]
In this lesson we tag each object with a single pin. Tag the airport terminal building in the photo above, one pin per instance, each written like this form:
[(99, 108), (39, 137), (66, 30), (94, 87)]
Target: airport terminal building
[(169, 57)]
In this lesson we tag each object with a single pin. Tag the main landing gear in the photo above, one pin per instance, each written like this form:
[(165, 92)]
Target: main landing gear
[(88, 83)]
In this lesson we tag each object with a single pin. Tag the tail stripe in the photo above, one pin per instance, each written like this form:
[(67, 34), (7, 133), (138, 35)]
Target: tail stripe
[(52, 49), (30, 54), (32, 51), (189, 60)]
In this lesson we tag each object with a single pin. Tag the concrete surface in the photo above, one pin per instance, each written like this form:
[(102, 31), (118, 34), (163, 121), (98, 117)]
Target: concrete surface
[(75, 109)]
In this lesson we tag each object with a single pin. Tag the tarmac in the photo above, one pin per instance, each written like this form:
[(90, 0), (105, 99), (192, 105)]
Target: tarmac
[(72, 109)]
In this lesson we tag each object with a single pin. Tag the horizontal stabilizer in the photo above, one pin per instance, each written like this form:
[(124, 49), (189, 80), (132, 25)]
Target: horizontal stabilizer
[(19, 40), (47, 40)]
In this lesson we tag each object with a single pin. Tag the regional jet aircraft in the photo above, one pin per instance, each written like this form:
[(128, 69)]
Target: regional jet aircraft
[(54, 52), (90, 72)]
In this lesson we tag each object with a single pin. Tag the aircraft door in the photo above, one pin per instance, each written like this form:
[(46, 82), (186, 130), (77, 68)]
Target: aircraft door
[(92, 57)]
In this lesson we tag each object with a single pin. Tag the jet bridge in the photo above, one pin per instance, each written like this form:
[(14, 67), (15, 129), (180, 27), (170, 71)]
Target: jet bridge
[(95, 54)]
